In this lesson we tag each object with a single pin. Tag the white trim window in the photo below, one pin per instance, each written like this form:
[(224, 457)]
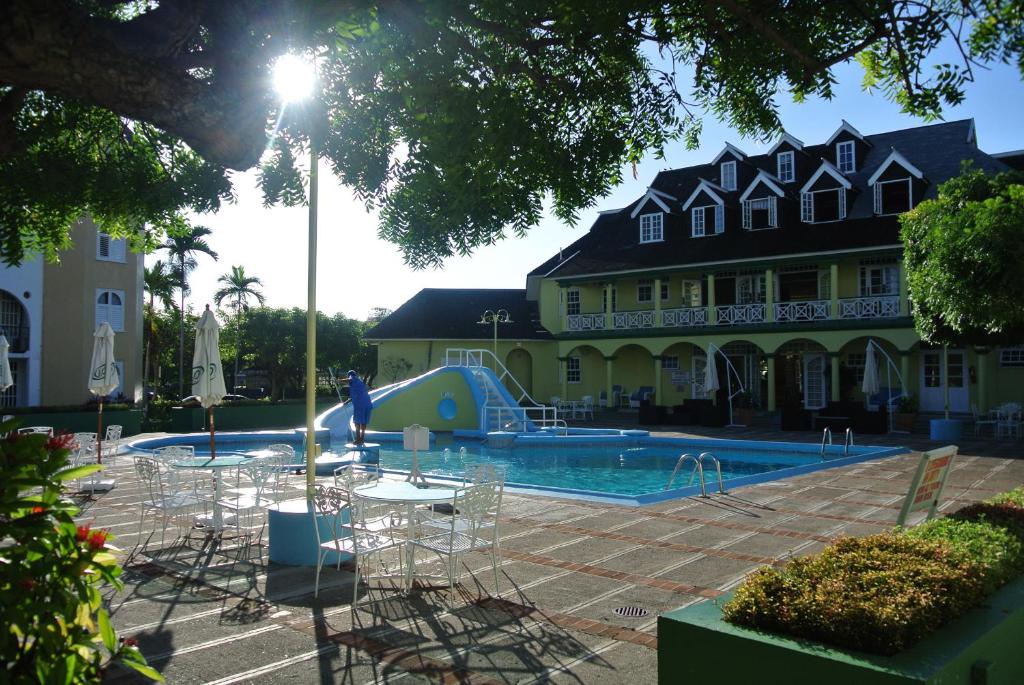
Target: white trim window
[(1012, 356), (652, 228), (784, 166), (760, 213), (572, 301), (879, 277), (691, 293), (669, 362), (604, 299), (831, 207), (645, 290), (893, 197), (699, 220), (664, 289), (573, 370), (110, 249), (728, 172), (110, 308), (750, 289), (846, 156), (855, 361)]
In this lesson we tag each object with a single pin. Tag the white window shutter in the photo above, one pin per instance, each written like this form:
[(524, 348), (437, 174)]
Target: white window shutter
[(878, 198), (842, 203), (719, 218), (116, 311), (747, 221), (117, 249), (807, 208), (773, 212), (697, 221)]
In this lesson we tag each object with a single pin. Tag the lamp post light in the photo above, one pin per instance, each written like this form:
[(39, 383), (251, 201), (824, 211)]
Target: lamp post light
[(294, 80), (500, 316)]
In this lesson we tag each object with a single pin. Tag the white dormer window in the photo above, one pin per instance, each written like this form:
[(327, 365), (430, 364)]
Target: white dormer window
[(893, 197), (760, 213), (703, 218), (821, 206), (784, 166), (109, 249), (728, 175), (652, 228), (846, 156)]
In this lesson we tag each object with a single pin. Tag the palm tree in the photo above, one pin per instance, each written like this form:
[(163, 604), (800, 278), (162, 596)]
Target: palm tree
[(238, 288), (159, 282), (183, 248)]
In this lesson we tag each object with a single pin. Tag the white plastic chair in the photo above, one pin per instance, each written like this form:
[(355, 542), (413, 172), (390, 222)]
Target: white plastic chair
[(586, 407), (979, 422), (1008, 420)]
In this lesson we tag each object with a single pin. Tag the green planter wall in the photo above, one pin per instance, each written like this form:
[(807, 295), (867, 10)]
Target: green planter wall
[(84, 421), (241, 418), (983, 647)]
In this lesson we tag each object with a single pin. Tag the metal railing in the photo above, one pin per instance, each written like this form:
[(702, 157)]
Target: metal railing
[(528, 409), (810, 310), (827, 433), (685, 316), (881, 307), (17, 337), (638, 319), (698, 471), (847, 442), (734, 314), (584, 322)]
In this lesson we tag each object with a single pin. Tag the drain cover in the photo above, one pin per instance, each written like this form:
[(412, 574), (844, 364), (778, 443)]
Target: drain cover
[(631, 612)]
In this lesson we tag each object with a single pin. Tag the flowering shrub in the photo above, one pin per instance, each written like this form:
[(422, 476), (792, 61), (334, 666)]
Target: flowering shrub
[(53, 627), (885, 592)]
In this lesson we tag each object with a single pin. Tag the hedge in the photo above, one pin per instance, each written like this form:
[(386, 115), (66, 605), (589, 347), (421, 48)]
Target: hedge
[(883, 593)]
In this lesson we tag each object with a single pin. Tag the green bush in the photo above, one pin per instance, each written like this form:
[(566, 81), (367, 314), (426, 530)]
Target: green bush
[(1014, 497), (997, 549), (53, 627), (880, 593)]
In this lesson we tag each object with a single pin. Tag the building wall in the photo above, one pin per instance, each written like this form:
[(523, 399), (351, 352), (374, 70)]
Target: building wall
[(69, 303), (25, 284)]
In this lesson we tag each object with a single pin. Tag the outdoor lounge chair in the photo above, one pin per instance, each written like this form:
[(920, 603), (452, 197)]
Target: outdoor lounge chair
[(642, 393)]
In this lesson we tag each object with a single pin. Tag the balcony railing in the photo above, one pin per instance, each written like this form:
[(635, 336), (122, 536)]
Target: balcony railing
[(810, 310), (736, 314), (585, 322), (687, 316), (879, 307), (641, 319)]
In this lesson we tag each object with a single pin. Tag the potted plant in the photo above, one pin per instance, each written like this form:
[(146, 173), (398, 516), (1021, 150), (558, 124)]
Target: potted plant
[(905, 414), (743, 408)]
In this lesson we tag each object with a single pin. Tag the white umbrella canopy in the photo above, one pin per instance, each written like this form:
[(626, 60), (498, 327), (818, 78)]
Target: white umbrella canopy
[(711, 383), (871, 385), (6, 379), (207, 371), (103, 376)]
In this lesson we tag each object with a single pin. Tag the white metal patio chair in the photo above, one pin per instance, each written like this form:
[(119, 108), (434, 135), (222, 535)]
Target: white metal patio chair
[(246, 503), (483, 473), (980, 422), (350, 524), (112, 440), (161, 499), (1008, 420)]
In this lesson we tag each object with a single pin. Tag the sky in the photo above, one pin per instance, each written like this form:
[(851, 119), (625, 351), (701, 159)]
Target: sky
[(357, 271)]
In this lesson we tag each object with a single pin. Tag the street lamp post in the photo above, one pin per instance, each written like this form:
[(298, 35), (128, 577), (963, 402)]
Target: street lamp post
[(500, 316)]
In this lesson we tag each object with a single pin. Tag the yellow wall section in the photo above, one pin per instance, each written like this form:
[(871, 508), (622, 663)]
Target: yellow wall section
[(418, 404)]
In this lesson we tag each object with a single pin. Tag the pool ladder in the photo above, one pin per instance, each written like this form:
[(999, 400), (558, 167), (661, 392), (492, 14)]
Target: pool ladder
[(847, 440), (698, 470)]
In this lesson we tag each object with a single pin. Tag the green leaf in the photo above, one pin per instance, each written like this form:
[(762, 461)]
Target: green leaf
[(77, 472), (107, 630), (145, 670)]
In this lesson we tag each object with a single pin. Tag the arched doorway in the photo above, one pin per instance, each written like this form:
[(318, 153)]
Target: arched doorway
[(519, 363), (802, 374), (749, 361)]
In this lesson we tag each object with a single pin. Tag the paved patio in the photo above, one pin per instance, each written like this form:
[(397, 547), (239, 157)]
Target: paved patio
[(208, 611)]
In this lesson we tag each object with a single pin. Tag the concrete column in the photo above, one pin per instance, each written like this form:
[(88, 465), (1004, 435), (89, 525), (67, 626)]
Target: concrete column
[(608, 381), (982, 362), (769, 295), (833, 280), (657, 379), (904, 295), (564, 373), (770, 363), (608, 306), (657, 302), (712, 317), (834, 392), (911, 386)]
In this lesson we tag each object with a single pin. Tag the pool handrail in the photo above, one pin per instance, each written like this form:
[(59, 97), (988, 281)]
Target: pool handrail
[(697, 469), (718, 468)]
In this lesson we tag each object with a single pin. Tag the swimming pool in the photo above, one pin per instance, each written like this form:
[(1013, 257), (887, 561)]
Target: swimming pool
[(627, 470)]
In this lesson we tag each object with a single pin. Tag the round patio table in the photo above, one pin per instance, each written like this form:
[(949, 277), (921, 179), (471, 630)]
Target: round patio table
[(217, 467), (408, 494)]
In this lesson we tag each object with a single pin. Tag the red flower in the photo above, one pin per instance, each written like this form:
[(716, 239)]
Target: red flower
[(37, 510), (61, 441), (98, 539), (83, 533), (27, 583), (129, 642)]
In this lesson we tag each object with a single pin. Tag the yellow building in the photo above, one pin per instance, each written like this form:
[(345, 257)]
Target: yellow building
[(48, 312), (789, 262)]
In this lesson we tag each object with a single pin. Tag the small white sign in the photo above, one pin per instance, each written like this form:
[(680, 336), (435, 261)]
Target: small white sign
[(929, 482), (416, 437)]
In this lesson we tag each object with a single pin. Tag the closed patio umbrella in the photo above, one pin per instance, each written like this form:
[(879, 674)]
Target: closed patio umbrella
[(711, 384), (870, 385), (207, 371), (103, 376), (6, 379)]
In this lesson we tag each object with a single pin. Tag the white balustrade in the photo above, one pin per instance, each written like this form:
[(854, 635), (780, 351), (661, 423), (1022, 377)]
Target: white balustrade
[(879, 307), (584, 322), (735, 314), (687, 316), (642, 319), (810, 310)]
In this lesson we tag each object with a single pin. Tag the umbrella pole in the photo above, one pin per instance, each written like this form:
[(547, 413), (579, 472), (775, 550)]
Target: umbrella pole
[(213, 447), (99, 434)]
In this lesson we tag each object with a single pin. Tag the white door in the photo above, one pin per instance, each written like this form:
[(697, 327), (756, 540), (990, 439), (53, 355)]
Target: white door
[(814, 380), (932, 386), (699, 366)]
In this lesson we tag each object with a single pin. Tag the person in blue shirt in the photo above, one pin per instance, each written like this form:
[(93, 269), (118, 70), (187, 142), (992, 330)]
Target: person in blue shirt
[(362, 405)]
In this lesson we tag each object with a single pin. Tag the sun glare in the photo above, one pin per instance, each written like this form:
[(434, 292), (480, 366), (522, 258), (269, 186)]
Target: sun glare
[(293, 78)]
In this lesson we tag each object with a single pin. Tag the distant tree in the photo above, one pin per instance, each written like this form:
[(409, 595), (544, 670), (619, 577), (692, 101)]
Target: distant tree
[(457, 120), (395, 368), (159, 284), (964, 255), (237, 289), (183, 248)]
